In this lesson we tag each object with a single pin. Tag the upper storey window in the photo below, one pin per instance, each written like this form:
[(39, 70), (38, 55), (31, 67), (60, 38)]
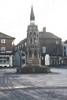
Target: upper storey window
[(3, 41)]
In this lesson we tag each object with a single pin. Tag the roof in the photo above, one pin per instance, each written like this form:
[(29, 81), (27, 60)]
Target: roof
[(2, 35), (48, 35), (45, 34), (65, 41)]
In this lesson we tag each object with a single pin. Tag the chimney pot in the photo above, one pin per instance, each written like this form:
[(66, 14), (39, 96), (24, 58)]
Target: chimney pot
[(44, 29)]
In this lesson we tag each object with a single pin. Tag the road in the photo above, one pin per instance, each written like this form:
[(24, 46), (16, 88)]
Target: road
[(15, 86)]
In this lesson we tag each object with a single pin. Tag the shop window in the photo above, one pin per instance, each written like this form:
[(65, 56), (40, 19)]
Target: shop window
[(2, 49)]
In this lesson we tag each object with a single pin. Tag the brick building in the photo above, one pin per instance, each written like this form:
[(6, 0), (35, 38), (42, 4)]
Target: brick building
[(6, 50)]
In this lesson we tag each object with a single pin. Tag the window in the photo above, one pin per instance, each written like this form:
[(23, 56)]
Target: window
[(3, 41), (64, 53), (2, 49), (64, 48), (0, 61), (43, 49)]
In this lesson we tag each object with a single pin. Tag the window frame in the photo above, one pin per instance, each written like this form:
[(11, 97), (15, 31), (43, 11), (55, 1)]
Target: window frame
[(3, 41)]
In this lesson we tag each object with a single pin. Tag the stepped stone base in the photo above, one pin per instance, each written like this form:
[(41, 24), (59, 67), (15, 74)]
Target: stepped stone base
[(33, 69), (33, 62), (33, 66)]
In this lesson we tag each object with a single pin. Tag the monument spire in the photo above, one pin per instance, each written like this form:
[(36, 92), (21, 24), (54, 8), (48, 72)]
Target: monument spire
[(32, 17)]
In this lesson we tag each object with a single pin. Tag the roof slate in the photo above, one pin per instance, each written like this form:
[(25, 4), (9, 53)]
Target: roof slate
[(48, 35)]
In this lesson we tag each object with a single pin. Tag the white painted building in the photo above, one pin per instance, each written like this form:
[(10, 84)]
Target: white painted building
[(64, 49)]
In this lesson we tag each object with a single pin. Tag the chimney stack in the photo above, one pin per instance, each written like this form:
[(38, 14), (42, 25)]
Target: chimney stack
[(44, 29)]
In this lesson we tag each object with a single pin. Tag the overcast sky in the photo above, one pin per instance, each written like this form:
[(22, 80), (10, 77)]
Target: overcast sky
[(15, 17)]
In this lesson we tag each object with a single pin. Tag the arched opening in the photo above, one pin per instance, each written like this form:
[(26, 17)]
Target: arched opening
[(30, 53), (35, 53), (31, 40), (30, 33)]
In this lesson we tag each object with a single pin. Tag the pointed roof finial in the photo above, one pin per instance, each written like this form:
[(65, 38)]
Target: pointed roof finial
[(32, 17)]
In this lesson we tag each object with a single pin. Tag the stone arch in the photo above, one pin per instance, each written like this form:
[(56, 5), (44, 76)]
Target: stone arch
[(35, 53), (30, 53), (30, 33)]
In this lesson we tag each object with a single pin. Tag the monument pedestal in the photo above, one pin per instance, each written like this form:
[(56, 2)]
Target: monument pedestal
[(34, 69)]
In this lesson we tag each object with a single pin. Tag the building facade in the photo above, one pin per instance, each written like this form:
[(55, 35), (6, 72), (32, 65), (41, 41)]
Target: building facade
[(65, 52), (52, 45), (6, 50)]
